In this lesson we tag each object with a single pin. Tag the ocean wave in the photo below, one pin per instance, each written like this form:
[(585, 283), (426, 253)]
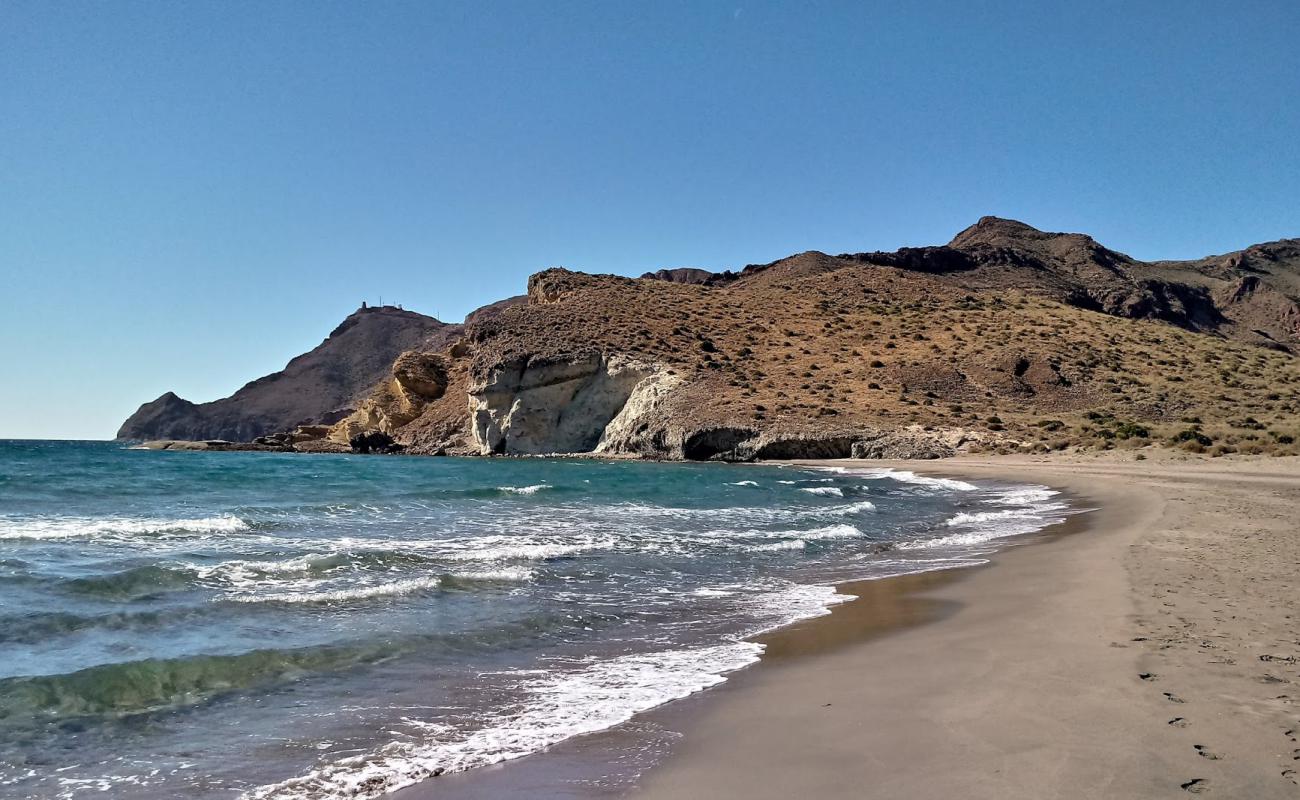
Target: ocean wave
[(41, 627), (788, 544), (787, 603), (149, 685), (137, 583), (86, 527), (853, 508), (346, 594), (709, 591), (983, 527), (830, 532), (968, 539), (505, 548), (744, 483), (824, 491), (905, 476), (909, 477), (596, 696), (534, 489), (1023, 496), (983, 517), (503, 575)]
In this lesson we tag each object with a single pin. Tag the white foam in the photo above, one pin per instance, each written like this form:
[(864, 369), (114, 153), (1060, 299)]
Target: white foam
[(909, 477), (1023, 496), (789, 544), (905, 476), (710, 592), (596, 696), (853, 508), (396, 588), (744, 483), (504, 548), (119, 527), (983, 517), (506, 574), (1026, 509), (788, 603), (534, 489), (252, 575), (831, 532), (824, 491)]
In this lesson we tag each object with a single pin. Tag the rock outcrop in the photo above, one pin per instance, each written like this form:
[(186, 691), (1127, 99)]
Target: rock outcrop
[(590, 403), (416, 379), (318, 387)]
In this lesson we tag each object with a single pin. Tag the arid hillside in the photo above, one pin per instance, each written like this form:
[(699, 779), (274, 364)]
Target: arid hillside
[(1007, 338)]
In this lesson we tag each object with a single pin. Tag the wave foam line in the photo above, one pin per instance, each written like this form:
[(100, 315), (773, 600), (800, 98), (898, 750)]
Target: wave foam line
[(907, 476), (534, 489), (789, 544), (83, 527), (824, 491), (598, 696), (396, 588)]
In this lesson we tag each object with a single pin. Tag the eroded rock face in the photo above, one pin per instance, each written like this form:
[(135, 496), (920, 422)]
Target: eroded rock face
[(423, 375), (418, 378), (590, 403)]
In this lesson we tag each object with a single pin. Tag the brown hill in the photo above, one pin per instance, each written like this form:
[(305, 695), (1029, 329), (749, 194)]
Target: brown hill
[(320, 386), (1005, 338)]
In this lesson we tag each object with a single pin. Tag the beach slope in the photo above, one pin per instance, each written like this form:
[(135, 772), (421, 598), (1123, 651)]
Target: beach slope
[(1154, 654)]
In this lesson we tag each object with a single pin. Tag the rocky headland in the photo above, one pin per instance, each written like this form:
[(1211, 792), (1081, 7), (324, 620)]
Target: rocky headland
[(1006, 339)]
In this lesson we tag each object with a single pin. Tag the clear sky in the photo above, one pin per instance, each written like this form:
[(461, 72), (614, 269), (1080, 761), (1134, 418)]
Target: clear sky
[(192, 193)]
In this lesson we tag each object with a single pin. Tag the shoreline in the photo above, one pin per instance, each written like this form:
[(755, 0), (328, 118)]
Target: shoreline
[(880, 607), (1075, 669)]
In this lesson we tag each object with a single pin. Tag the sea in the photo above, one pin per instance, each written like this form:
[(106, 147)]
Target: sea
[(267, 625)]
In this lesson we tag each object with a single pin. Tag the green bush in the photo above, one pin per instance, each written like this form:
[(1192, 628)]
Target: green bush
[(1192, 435), (1132, 430)]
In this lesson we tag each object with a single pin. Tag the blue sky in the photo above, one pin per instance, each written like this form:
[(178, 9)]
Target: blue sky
[(192, 193)]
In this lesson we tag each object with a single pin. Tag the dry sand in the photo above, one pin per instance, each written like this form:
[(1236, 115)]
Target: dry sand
[(1154, 654)]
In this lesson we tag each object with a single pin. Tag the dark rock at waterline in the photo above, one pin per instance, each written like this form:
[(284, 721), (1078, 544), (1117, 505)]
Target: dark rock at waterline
[(373, 442)]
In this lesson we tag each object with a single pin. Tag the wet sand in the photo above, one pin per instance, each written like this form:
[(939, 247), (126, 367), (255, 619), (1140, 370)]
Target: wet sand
[(1155, 654)]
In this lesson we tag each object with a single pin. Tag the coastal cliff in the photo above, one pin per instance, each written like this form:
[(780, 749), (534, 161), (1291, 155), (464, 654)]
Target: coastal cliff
[(1006, 338)]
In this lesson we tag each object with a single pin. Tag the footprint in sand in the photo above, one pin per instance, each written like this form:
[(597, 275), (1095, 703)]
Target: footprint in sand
[(1204, 752), (1147, 676), (1290, 775), (1196, 786), (1179, 722), (1173, 698)]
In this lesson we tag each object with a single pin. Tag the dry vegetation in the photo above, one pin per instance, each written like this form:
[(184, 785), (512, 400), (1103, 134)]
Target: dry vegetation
[(884, 348)]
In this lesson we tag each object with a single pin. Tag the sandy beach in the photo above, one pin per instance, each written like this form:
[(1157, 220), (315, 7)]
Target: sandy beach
[(1152, 652)]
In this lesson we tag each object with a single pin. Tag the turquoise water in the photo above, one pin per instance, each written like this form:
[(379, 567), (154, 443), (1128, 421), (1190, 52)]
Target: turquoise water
[(278, 625)]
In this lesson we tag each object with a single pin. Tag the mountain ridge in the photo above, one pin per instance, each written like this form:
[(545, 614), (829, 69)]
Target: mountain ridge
[(866, 350)]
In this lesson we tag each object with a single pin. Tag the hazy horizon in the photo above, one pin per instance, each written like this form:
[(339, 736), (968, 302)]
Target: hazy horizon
[(195, 194)]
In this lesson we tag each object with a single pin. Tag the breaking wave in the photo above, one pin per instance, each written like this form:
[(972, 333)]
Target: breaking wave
[(90, 527)]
